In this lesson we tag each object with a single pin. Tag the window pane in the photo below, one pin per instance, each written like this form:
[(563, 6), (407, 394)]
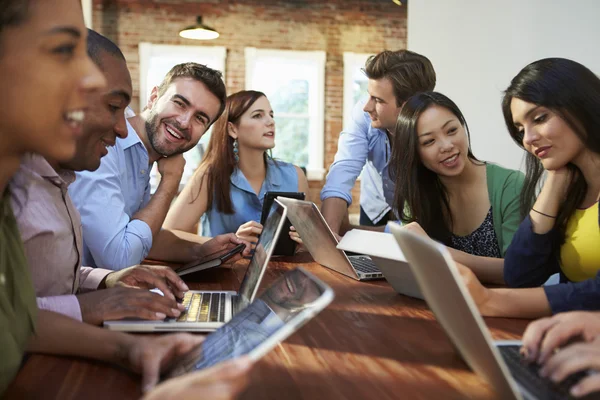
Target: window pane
[(290, 97), (359, 90), (291, 140)]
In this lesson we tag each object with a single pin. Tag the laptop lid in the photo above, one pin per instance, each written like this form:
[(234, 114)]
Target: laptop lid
[(262, 252), (317, 236), (450, 301)]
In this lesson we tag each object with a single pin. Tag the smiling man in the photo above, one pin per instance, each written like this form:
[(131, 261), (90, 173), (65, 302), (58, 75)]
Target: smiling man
[(394, 76), (121, 221)]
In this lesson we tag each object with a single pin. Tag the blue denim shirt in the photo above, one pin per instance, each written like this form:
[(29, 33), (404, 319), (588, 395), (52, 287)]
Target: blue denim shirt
[(532, 258), (247, 205), (358, 147), (107, 200)]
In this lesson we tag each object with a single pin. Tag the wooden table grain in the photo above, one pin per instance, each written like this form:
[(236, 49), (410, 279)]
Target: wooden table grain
[(370, 343)]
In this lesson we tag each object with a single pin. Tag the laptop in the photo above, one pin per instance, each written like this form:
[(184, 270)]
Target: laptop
[(387, 256), (321, 242), (499, 363), (282, 309), (209, 310)]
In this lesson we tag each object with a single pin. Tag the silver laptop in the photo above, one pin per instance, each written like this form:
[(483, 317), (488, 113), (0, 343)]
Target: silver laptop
[(387, 256), (499, 363), (209, 310), (321, 242)]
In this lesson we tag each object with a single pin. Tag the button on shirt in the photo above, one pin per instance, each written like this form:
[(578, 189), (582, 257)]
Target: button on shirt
[(108, 198), (50, 228), (247, 205), (358, 147)]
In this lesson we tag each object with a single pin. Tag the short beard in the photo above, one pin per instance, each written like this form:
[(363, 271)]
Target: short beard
[(152, 124)]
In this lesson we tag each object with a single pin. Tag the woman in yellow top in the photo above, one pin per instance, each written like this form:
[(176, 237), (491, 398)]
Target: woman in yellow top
[(552, 110), (46, 75)]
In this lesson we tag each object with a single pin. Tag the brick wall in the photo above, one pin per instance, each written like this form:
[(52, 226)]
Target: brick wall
[(334, 26)]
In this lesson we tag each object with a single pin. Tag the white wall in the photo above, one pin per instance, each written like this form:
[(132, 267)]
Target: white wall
[(478, 46)]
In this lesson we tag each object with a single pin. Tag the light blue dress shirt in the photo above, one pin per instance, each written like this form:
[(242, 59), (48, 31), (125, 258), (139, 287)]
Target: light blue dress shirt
[(107, 200), (358, 147), (247, 205)]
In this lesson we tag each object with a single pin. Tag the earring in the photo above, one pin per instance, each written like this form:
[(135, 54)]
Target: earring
[(236, 151)]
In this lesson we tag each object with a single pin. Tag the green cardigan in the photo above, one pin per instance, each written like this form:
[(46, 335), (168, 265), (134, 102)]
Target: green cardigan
[(504, 188)]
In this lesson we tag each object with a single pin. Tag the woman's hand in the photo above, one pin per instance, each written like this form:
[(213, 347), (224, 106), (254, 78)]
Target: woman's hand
[(479, 293), (221, 382), (414, 227), (544, 336), (250, 231)]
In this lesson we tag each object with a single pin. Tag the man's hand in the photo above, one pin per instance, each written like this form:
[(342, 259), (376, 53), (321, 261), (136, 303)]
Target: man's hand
[(150, 356), (250, 231), (148, 277), (221, 244), (575, 358), (544, 336), (171, 167), (121, 302), (221, 382)]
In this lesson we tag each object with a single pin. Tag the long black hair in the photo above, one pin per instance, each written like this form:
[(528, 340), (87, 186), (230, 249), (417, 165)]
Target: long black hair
[(572, 91), (420, 195)]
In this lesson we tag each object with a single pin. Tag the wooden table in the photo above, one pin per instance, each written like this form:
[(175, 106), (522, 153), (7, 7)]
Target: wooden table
[(370, 343)]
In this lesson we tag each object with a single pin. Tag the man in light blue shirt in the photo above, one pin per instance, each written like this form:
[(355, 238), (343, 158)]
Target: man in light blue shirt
[(394, 76), (121, 222)]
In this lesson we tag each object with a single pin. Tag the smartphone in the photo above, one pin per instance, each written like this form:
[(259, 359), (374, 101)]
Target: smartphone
[(210, 261)]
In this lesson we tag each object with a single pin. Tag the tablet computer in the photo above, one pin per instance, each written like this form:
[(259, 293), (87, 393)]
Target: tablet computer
[(285, 245), (210, 261), (282, 309)]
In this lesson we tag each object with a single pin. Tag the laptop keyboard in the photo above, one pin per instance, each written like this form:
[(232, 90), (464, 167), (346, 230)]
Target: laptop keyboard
[(528, 377), (364, 264), (203, 307)]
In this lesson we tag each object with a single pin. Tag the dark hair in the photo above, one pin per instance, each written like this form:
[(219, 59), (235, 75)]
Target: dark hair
[(573, 92), (408, 71), (13, 12), (420, 195), (97, 45), (211, 78), (219, 162)]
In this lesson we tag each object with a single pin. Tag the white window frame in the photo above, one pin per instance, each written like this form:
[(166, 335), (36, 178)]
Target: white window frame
[(352, 62), (86, 5), (316, 102)]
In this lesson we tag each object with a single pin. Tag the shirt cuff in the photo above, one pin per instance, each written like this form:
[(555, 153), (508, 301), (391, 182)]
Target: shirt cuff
[(329, 192), (67, 305), (90, 278)]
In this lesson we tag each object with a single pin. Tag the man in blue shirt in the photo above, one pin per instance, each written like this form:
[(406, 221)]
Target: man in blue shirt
[(121, 222), (394, 76)]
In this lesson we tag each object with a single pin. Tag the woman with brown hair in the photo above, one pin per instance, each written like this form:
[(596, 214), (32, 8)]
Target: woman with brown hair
[(228, 189)]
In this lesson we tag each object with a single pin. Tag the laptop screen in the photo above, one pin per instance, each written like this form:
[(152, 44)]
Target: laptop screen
[(262, 253)]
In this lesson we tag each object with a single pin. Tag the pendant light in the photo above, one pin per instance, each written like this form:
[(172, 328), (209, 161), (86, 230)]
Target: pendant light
[(199, 31)]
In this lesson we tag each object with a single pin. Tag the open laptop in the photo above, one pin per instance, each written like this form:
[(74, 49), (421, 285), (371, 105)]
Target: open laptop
[(208, 310), (387, 256), (499, 363), (321, 242)]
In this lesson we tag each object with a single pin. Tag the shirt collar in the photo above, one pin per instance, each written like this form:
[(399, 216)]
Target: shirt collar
[(38, 165), (132, 137)]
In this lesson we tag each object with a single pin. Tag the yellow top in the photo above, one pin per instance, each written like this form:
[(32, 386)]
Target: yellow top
[(580, 254)]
